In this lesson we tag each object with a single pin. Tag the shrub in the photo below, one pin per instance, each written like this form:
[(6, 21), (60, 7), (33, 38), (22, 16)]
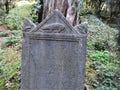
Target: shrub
[(3, 34), (14, 22), (100, 35), (84, 11), (9, 69), (101, 56), (22, 11), (103, 70), (8, 41)]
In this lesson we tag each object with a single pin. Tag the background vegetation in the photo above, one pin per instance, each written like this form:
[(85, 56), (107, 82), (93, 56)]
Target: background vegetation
[(103, 46)]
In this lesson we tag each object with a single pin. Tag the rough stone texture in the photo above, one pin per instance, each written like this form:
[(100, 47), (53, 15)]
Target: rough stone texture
[(53, 56)]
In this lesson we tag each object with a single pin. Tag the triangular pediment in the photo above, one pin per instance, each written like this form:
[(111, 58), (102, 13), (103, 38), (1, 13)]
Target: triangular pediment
[(55, 22)]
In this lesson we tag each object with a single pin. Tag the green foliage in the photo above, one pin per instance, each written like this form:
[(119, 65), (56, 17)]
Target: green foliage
[(101, 56), (14, 22), (15, 18), (1, 51), (6, 5), (2, 20), (100, 35), (84, 11), (10, 57), (22, 11), (4, 34), (104, 69), (2, 3), (103, 8), (9, 41), (31, 0), (35, 11), (34, 14), (12, 39), (2, 13), (9, 69), (27, 11)]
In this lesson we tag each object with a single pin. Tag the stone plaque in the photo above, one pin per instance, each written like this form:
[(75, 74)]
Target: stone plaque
[(53, 55)]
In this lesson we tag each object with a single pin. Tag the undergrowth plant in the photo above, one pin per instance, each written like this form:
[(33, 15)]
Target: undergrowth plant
[(4, 34), (14, 22), (9, 69), (103, 65), (8, 41), (105, 70), (101, 56)]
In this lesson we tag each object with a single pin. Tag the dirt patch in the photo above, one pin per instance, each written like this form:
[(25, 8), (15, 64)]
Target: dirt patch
[(1, 38), (3, 28)]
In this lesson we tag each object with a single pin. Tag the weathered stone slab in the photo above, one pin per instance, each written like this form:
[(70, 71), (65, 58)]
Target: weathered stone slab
[(53, 55)]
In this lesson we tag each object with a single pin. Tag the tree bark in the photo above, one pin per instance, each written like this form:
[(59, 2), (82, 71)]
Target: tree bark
[(67, 7), (7, 6)]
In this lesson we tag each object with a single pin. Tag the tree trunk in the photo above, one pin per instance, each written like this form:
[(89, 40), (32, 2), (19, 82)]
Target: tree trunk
[(67, 7), (7, 6)]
